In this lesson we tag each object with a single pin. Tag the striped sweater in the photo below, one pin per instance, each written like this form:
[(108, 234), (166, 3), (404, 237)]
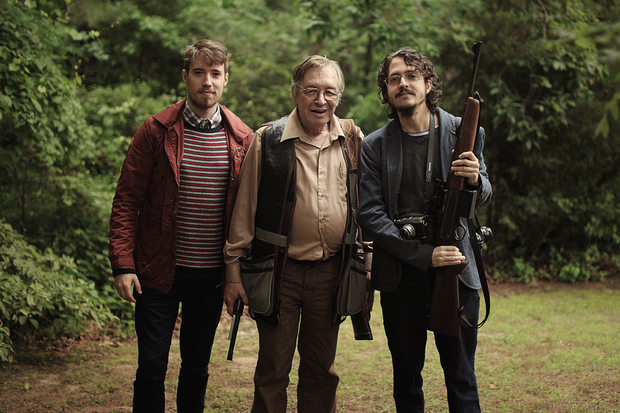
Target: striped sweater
[(202, 198)]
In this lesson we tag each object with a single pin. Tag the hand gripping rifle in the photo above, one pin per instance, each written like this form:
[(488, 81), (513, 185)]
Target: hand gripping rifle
[(455, 201), (234, 327)]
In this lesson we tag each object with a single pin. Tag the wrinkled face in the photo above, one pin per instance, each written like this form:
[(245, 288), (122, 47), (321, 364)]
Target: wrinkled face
[(316, 112), (407, 96), (205, 84)]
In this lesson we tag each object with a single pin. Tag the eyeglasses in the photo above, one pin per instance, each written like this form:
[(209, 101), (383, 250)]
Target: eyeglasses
[(410, 77), (313, 93)]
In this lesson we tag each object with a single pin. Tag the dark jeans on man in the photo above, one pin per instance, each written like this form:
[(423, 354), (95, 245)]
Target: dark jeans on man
[(199, 293), (405, 315)]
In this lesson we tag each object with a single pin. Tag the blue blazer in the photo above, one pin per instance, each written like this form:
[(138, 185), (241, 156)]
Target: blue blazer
[(382, 163)]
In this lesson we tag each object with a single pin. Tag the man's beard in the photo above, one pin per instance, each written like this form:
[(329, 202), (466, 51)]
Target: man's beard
[(407, 111)]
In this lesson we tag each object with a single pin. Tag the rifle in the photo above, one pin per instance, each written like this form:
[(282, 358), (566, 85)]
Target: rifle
[(234, 327), (455, 201)]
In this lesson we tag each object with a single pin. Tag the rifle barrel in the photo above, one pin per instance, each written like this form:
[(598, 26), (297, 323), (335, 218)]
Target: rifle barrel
[(477, 48)]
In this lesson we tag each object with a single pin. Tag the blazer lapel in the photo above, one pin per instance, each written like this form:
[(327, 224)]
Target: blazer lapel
[(394, 161)]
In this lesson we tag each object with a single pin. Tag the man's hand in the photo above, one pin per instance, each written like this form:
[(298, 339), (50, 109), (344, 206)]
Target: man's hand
[(123, 283), (232, 291), (468, 167), (446, 255)]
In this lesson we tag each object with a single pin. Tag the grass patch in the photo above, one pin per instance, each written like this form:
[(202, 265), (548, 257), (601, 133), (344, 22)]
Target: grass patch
[(552, 348)]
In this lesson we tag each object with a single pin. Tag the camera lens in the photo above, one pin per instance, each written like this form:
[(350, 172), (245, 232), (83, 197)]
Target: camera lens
[(407, 231)]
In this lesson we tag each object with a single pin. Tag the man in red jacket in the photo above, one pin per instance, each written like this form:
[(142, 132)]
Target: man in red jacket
[(169, 221)]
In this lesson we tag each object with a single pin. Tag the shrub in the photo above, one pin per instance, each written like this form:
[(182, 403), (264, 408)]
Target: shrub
[(41, 293)]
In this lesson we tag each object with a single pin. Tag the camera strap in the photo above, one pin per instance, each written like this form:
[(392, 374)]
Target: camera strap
[(430, 156)]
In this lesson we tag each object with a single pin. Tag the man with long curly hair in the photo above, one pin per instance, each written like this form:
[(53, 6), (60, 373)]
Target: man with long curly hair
[(400, 164)]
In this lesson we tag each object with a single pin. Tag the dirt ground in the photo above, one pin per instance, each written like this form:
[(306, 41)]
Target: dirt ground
[(90, 374)]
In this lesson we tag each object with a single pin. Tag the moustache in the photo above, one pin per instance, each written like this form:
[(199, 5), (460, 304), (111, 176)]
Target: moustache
[(404, 92)]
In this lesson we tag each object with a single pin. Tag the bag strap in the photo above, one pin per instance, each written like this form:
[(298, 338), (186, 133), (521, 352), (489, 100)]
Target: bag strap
[(350, 134), (351, 148), (481, 273)]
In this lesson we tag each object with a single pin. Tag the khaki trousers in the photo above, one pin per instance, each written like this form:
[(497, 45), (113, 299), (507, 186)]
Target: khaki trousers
[(307, 295)]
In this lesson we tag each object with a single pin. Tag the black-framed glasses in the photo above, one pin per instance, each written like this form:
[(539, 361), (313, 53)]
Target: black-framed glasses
[(313, 93), (410, 77)]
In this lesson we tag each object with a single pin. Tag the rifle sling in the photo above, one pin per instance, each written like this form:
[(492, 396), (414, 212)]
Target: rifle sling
[(481, 273)]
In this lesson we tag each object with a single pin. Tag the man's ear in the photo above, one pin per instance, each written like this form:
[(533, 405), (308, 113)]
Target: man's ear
[(184, 75)]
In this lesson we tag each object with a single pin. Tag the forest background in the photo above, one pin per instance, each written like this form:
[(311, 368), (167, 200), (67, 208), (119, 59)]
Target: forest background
[(78, 78)]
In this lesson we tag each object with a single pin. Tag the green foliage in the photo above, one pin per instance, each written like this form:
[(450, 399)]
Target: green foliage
[(605, 38), (142, 42), (6, 348), (42, 122), (581, 267), (78, 78), (114, 115), (519, 270), (55, 185), (555, 182), (41, 293)]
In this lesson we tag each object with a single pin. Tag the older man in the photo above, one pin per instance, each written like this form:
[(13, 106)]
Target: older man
[(293, 206)]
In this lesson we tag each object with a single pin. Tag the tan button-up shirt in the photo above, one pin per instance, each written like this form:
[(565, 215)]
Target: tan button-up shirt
[(319, 219)]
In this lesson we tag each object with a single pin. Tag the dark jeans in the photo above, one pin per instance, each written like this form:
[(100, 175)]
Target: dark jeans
[(405, 315), (199, 293)]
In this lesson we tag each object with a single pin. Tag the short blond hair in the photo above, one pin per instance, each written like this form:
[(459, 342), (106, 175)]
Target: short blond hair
[(211, 51)]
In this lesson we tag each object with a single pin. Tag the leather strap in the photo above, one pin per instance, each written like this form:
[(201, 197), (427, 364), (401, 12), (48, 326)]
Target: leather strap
[(481, 272)]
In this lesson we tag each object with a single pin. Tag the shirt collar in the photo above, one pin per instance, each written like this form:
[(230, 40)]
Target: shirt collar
[(293, 128), (196, 121)]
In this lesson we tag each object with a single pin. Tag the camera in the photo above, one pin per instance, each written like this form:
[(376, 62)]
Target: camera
[(412, 227), (484, 235)]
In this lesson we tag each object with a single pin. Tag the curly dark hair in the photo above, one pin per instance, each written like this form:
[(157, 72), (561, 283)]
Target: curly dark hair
[(423, 65)]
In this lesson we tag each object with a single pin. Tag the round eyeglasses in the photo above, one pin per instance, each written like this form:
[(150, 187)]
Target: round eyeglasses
[(313, 93)]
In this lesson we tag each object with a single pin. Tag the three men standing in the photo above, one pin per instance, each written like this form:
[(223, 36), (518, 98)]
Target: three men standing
[(294, 204)]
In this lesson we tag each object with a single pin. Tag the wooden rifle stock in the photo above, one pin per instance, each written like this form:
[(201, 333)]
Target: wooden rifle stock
[(445, 309), (457, 202)]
